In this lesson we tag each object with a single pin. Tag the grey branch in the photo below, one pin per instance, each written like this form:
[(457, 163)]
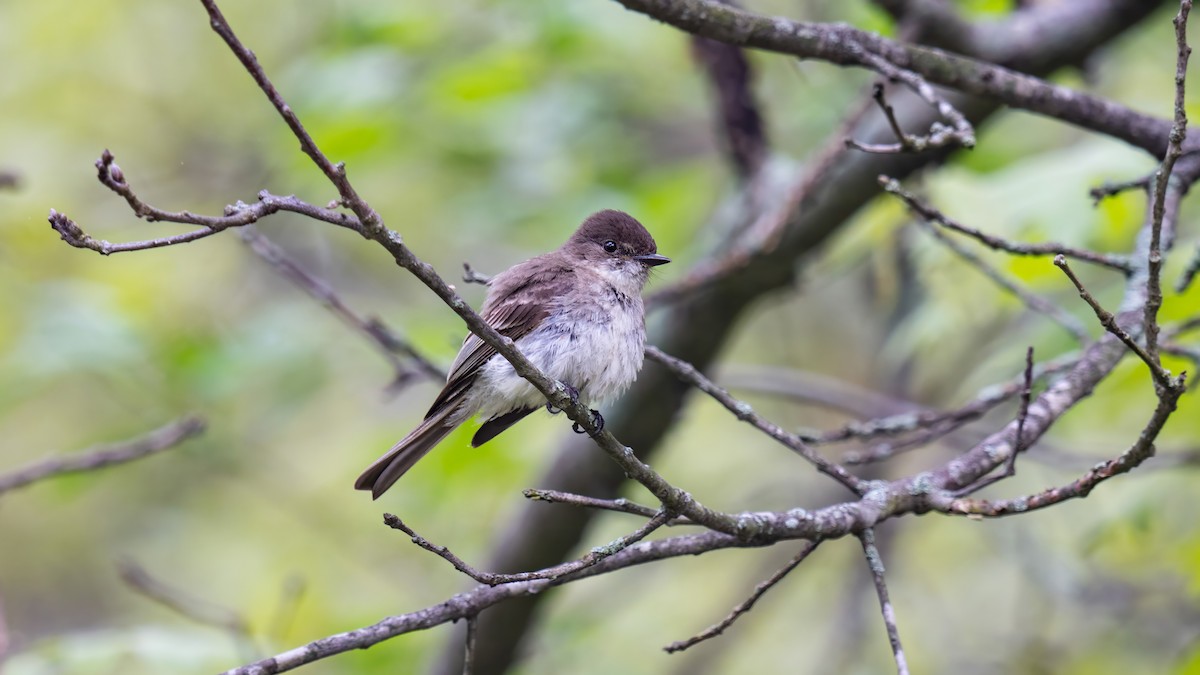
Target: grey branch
[(875, 563), (742, 410), (152, 443), (932, 215), (389, 342), (746, 605)]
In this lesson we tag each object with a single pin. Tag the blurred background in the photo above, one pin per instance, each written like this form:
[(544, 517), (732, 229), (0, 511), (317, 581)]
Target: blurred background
[(484, 132)]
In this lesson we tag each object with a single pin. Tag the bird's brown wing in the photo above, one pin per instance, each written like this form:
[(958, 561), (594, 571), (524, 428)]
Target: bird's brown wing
[(517, 303)]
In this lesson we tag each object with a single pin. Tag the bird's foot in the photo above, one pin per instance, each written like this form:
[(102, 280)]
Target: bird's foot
[(597, 421), (571, 391)]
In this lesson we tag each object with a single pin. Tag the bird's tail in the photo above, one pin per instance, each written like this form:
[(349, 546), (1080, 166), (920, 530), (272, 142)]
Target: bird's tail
[(386, 470)]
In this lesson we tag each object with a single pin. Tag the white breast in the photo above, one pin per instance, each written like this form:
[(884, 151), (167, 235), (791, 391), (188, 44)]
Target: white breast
[(596, 347)]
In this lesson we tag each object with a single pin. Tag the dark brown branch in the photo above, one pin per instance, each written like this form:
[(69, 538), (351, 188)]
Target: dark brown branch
[(743, 412), (390, 343), (152, 443), (741, 125), (746, 605), (932, 215), (875, 563)]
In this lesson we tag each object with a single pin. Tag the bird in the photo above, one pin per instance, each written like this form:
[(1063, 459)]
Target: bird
[(575, 312)]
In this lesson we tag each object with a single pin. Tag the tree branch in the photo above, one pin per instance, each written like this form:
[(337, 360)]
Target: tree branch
[(163, 438)]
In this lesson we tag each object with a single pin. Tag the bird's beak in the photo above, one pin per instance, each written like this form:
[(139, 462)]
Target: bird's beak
[(652, 259)]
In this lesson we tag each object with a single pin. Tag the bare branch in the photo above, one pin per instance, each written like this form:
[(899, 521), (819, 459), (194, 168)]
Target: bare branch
[(617, 505), (387, 340), (1032, 301), (743, 412), (1108, 189), (1019, 444), (875, 563), (1159, 186), (906, 143), (236, 215), (471, 276), (336, 173), (1108, 320), (152, 443), (195, 608), (844, 45), (1189, 272), (1139, 452), (493, 579), (469, 645), (746, 605), (959, 133), (932, 215), (742, 128)]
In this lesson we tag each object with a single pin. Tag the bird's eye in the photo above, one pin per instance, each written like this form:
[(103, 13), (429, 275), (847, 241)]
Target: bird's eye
[(610, 246)]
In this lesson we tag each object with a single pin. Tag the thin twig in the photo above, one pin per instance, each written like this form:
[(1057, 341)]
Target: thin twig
[(290, 596), (1139, 452), (742, 410), (469, 644), (746, 605), (1111, 189), (1108, 320), (592, 557), (906, 143), (195, 608), (389, 342), (875, 563), (1189, 272), (1031, 300), (336, 173), (152, 443), (1161, 178), (621, 505), (471, 276), (958, 132), (1019, 445), (932, 215), (236, 215)]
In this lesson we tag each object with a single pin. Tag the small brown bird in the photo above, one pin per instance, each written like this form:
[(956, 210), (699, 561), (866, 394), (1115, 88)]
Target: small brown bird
[(575, 312)]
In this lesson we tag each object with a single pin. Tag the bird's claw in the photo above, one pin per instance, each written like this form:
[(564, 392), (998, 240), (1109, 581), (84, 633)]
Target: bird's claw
[(571, 391), (597, 421)]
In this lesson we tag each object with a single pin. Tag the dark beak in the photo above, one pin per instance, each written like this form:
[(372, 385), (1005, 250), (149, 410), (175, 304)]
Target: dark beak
[(652, 259)]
